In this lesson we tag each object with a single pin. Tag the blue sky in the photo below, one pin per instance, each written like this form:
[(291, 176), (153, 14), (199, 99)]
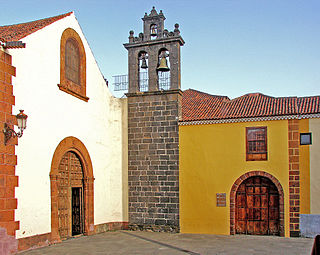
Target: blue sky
[(233, 47)]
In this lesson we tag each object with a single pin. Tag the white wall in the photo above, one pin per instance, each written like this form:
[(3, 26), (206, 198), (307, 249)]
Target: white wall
[(314, 127), (54, 115)]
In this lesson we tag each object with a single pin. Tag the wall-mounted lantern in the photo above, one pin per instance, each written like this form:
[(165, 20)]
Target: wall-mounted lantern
[(22, 124)]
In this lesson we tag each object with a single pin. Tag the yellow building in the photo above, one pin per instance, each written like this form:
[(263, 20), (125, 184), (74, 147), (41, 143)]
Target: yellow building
[(248, 165)]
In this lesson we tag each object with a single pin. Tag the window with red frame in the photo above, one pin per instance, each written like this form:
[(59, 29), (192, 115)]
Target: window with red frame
[(256, 144)]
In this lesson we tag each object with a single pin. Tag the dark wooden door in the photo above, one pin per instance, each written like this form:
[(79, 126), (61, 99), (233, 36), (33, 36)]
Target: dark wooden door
[(70, 183), (257, 207), (76, 211)]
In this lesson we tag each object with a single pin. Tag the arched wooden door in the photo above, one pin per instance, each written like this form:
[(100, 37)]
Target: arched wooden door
[(70, 196), (257, 207)]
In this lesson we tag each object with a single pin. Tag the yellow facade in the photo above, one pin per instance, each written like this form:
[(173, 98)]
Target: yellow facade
[(314, 125), (304, 166), (212, 158)]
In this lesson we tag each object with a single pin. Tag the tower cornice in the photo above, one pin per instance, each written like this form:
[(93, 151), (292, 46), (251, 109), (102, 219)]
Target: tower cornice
[(154, 42)]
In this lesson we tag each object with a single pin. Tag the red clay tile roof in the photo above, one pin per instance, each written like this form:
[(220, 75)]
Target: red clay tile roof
[(19, 31), (309, 105), (197, 105)]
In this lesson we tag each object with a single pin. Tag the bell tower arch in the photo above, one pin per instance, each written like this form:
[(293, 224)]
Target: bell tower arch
[(154, 40), (153, 134)]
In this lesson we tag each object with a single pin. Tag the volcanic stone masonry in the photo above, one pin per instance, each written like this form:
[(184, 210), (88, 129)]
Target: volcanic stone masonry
[(154, 160), (153, 132)]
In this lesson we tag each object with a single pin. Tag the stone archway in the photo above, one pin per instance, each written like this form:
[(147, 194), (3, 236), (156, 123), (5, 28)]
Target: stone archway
[(233, 192), (73, 145)]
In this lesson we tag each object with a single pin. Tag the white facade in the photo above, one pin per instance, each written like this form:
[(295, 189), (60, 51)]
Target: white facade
[(54, 115)]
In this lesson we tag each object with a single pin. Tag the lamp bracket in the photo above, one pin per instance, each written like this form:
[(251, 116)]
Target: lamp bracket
[(9, 133)]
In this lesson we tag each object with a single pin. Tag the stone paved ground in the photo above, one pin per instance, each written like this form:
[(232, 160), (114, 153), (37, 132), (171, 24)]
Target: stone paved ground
[(136, 242)]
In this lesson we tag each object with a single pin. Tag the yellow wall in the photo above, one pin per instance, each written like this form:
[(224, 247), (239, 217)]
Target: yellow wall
[(212, 158), (304, 167), (315, 166)]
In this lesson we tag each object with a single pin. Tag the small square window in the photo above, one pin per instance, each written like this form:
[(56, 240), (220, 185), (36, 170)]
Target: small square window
[(305, 139)]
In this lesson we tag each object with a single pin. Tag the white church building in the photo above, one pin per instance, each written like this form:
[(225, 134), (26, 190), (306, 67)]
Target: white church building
[(71, 166)]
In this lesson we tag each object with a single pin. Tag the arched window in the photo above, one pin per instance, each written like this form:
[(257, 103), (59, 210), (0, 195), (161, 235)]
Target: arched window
[(143, 71), (153, 31), (163, 69), (72, 65)]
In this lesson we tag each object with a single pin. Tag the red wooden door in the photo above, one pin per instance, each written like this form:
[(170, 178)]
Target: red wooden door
[(257, 207), (70, 176)]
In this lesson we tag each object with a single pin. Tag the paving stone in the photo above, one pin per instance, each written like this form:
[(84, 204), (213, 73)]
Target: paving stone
[(142, 243)]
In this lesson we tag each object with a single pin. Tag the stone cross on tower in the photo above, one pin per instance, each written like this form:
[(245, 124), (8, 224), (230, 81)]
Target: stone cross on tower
[(154, 108)]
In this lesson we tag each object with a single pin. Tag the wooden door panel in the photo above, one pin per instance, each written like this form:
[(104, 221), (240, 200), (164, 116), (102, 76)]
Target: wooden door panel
[(257, 227), (250, 189), (273, 190), (257, 207), (263, 228), (273, 214), (256, 214), (264, 189), (264, 201), (250, 214), (273, 200), (257, 201), (241, 227), (242, 188), (264, 214), (250, 201), (249, 181), (70, 175), (250, 227), (241, 200), (273, 228), (241, 214)]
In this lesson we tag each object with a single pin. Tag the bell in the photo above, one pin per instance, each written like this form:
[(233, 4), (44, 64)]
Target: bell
[(153, 31), (163, 67), (144, 63)]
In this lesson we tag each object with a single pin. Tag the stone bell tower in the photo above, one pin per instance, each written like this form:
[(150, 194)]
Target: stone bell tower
[(154, 108)]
